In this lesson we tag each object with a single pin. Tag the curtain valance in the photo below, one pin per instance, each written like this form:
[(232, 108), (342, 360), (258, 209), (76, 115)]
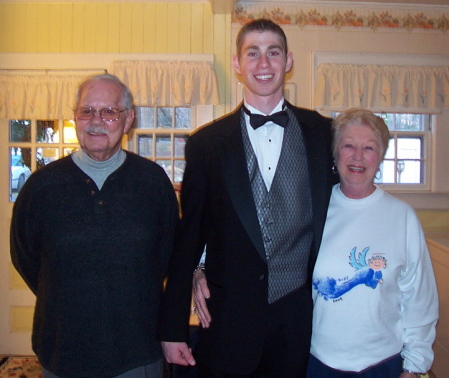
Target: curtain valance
[(169, 83), (38, 96), (380, 87)]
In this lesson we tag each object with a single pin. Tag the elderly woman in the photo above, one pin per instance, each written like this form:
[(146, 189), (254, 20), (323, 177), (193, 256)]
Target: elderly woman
[(374, 290), (376, 303)]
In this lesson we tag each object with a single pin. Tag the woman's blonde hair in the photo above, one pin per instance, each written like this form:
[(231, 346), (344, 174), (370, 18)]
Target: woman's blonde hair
[(358, 116)]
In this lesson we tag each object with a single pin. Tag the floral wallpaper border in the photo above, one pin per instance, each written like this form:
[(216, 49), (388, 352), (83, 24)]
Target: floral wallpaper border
[(303, 16)]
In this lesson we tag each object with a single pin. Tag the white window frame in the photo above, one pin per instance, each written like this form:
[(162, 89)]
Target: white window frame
[(426, 138), (426, 135), (154, 131)]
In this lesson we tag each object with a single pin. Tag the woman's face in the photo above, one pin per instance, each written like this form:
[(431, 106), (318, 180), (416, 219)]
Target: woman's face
[(357, 158)]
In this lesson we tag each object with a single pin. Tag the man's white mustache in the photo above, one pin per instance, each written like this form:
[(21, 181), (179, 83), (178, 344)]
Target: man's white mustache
[(97, 130)]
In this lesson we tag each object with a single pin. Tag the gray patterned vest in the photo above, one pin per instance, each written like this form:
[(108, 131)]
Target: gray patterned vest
[(284, 212)]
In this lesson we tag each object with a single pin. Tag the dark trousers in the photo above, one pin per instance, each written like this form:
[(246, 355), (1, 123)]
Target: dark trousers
[(390, 368), (154, 370), (287, 340)]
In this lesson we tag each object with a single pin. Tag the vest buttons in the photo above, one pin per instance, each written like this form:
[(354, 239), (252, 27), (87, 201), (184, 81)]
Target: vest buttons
[(261, 277)]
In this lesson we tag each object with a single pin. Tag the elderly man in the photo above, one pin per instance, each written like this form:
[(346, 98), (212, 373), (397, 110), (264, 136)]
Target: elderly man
[(91, 235)]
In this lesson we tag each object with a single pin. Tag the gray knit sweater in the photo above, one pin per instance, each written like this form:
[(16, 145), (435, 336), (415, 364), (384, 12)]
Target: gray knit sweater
[(96, 260)]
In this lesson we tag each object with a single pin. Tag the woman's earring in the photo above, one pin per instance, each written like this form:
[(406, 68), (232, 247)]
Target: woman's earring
[(334, 169)]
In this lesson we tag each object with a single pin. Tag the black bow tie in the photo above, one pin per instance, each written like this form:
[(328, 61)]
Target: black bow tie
[(257, 120)]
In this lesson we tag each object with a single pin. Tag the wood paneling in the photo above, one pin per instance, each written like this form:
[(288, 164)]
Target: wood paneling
[(137, 27), (21, 318), (162, 26), (197, 31), (66, 28), (126, 22), (78, 28), (31, 33), (185, 24), (54, 28), (149, 28), (173, 31), (92, 22), (99, 27), (7, 26), (113, 27)]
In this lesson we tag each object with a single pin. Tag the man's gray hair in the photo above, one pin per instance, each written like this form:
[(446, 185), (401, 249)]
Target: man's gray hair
[(127, 96)]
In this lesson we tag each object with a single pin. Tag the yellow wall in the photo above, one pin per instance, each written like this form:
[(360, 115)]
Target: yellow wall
[(107, 28), (434, 221), (90, 27)]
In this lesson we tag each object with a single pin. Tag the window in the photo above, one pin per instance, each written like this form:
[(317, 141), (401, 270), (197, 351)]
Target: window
[(160, 134), (406, 160), (34, 144)]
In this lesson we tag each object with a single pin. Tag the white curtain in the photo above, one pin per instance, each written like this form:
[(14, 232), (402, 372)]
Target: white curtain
[(169, 83), (381, 87), (38, 96)]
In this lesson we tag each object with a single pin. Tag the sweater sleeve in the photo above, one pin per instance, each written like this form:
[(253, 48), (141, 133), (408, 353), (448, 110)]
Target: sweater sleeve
[(25, 252), (419, 304)]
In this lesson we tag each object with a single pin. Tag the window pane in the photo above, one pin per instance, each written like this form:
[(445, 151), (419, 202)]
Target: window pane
[(47, 132), (408, 122), (164, 117), (387, 173), (390, 150), (404, 122), (20, 130), (144, 117), (182, 118), (19, 170), (70, 132), (409, 148), (45, 156), (180, 143), (145, 146), (166, 164), (409, 172), (69, 150), (163, 146), (180, 166)]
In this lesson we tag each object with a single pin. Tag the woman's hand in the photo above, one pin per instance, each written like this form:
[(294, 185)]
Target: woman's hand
[(200, 294)]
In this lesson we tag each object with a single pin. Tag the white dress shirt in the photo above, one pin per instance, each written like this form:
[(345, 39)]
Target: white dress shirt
[(267, 143)]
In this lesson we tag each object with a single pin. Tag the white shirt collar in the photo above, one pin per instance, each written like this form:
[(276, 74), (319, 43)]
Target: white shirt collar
[(277, 108)]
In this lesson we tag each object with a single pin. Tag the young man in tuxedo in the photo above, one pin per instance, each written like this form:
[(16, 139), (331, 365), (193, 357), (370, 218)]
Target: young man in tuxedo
[(255, 193)]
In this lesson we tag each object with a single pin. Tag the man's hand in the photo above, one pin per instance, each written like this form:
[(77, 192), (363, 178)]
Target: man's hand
[(200, 294), (178, 353)]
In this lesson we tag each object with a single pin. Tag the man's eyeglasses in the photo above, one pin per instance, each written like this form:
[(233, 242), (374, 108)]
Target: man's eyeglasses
[(106, 114)]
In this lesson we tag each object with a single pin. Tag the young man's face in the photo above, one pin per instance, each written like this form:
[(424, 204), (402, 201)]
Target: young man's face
[(263, 64)]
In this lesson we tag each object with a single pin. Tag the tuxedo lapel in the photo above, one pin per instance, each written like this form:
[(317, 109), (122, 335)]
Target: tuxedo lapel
[(236, 178)]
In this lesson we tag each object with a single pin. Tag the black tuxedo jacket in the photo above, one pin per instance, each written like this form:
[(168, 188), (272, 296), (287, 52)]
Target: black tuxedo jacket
[(218, 210)]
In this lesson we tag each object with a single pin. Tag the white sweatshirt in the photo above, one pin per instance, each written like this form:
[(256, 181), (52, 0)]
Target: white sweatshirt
[(367, 311)]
